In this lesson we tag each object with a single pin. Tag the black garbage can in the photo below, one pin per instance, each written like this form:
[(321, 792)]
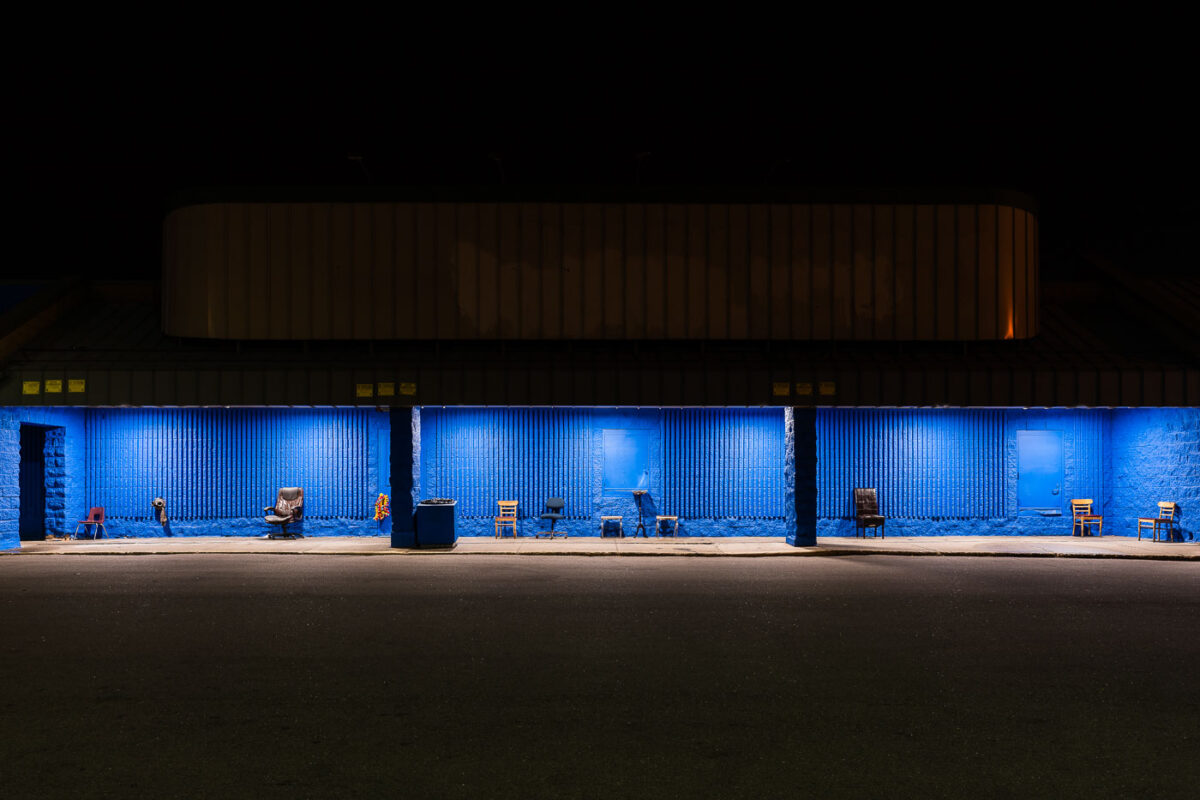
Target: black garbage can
[(434, 523)]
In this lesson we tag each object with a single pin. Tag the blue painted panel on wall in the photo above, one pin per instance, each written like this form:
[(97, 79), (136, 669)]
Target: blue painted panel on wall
[(923, 463), (221, 463), (626, 460), (708, 464), (1039, 469)]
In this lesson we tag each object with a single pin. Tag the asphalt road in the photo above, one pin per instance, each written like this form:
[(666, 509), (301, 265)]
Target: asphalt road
[(508, 676)]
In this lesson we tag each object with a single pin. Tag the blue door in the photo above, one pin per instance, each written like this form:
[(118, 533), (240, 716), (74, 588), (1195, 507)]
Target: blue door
[(1039, 469)]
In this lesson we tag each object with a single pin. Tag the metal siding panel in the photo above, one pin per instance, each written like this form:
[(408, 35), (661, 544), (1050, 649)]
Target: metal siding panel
[(531, 272), (800, 272), (925, 305), (446, 286), (967, 293), (843, 271), (759, 307), (593, 271), (739, 273), (863, 240), (780, 266), (1004, 272), (489, 271), (426, 267), (904, 234), (987, 285), (358, 306), (945, 277), (300, 258), (383, 278), (612, 270), (675, 278), (341, 269), (1033, 294), (279, 293), (572, 247), (884, 271), (405, 265), (320, 318), (465, 247), (696, 276), (717, 280), (258, 286), (551, 270), (1019, 274), (214, 271)]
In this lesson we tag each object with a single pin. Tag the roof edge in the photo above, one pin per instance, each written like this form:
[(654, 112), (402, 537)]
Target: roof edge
[(516, 193)]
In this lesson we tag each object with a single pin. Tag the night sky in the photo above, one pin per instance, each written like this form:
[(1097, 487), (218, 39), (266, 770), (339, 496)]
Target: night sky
[(1100, 140)]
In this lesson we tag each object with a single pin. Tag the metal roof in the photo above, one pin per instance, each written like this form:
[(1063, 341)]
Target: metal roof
[(1101, 344)]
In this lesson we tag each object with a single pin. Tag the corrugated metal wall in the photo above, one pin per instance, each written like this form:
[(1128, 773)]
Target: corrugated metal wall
[(924, 464), (634, 271), (721, 463), (481, 455), (217, 463), (714, 464)]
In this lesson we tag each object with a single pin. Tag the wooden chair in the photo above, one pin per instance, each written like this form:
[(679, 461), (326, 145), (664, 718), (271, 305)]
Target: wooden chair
[(1082, 517), (866, 513), (507, 517), (1165, 519)]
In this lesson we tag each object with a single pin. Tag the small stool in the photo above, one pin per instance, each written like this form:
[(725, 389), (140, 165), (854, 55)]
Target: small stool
[(609, 522), (658, 519)]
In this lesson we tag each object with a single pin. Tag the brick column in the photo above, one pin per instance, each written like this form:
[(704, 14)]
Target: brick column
[(404, 458), (803, 435)]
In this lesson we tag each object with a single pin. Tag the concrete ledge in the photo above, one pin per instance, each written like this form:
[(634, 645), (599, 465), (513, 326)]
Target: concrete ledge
[(749, 547)]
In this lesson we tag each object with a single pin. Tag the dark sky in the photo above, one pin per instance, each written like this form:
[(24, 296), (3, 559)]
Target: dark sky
[(1099, 141)]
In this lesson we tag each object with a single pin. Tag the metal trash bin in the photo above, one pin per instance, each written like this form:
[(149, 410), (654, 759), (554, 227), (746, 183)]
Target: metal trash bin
[(435, 523)]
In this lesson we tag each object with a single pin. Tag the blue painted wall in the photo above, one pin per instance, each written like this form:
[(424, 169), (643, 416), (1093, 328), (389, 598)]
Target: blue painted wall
[(722, 471), (64, 469), (218, 468), (1155, 456)]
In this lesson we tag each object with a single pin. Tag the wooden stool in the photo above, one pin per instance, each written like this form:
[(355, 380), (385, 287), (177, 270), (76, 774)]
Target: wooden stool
[(620, 525), (659, 518), (507, 518)]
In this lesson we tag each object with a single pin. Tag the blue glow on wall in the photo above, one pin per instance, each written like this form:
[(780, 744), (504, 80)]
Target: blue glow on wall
[(218, 468), (720, 470), (938, 471)]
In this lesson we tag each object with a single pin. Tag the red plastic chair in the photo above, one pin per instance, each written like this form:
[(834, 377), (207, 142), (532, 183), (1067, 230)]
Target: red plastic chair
[(95, 517)]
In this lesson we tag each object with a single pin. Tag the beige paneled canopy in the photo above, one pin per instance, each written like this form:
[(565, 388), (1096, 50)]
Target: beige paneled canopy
[(601, 271)]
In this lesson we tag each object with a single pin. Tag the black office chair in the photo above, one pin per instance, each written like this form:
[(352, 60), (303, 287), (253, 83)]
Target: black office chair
[(554, 507), (288, 510)]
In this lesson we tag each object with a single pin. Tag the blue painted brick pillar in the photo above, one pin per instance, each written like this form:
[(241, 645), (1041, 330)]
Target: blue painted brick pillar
[(804, 457), (403, 462)]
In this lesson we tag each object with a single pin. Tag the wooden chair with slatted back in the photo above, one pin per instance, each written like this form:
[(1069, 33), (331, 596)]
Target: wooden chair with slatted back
[(1082, 517), (1165, 519), (507, 517)]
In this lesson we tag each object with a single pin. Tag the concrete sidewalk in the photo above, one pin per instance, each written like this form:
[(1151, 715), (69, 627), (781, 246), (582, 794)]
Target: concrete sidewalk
[(1019, 546)]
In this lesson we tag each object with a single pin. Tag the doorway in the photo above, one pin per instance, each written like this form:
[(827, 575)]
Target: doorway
[(33, 483), (1039, 470)]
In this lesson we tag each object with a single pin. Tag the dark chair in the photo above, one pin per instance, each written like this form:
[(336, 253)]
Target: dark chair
[(95, 517), (866, 512), (288, 510), (554, 507)]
